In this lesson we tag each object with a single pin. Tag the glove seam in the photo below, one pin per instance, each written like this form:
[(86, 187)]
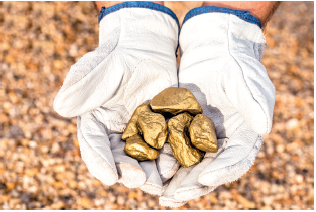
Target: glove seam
[(111, 121), (231, 54), (107, 130), (169, 170), (174, 201), (207, 190), (147, 183)]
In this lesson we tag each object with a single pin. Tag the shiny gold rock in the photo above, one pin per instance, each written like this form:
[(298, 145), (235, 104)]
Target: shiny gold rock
[(179, 141), (151, 125), (138, 149), (203, 134), (175, 100)]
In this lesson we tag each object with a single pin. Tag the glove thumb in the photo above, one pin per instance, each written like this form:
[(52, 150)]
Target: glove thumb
[(90, 82)]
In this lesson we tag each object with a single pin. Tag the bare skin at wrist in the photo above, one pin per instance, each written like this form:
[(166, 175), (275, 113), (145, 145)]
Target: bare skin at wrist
[(107, 4), (262, 10)]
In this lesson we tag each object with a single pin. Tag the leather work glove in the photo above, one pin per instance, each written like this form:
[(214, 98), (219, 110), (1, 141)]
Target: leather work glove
[(221, 51), (134, 62)]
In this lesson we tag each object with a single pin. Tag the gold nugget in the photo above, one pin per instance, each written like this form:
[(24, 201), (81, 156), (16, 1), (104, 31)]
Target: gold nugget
[(175, 100), (180, 142), (138, 149), (203, 134), (151, 125)]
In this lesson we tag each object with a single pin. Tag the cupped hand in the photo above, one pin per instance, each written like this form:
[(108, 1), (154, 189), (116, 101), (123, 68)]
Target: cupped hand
[(220, 65), (135, 61)]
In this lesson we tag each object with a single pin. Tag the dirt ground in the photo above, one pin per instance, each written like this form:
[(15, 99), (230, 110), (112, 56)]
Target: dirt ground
[(40, 163)]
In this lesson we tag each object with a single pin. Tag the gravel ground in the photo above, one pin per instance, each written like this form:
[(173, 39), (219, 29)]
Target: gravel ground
[(40, 163)]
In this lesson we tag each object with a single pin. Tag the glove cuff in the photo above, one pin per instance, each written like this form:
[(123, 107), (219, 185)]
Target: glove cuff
[(242, 14), (138, 21), (137, 4), (222, 30)]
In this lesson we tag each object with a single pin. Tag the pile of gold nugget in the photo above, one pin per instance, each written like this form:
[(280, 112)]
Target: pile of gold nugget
[(190, 133)]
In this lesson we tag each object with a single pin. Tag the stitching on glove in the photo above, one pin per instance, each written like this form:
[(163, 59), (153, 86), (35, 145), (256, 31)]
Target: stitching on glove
[(107, 130), (243, 72), (148, 183), (173, 201), (173, 204), (174, 165), (205, 190)]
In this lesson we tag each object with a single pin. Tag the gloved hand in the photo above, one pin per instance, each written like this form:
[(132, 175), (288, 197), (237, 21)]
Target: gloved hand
[(221, 52), (134, 62)]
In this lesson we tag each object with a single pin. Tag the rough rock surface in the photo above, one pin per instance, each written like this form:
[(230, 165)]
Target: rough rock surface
[(174, 101), (151, 125), (138, 149), (203, 134), (180, 143)]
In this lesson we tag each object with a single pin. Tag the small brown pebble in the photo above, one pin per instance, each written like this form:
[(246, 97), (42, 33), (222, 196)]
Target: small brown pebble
[(174, 101), (85, 202), (132, 195), (57, 205), (180, 142), (138, 149)]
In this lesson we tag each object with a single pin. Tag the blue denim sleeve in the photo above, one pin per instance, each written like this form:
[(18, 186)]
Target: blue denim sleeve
[(242, 14), (138, 4)]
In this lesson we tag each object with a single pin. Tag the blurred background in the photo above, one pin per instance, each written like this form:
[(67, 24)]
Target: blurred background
[(40, 163)]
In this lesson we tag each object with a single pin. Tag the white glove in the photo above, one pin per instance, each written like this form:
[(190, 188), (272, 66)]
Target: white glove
[(135, 61), (221, 52)]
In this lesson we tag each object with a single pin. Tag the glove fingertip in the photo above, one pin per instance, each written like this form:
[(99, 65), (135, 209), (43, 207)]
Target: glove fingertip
[(130, 176), (101, 170), (151, 189), (109, 179), (60, 109), (260, 122), (207, 179), (167, 202), (193, 193)]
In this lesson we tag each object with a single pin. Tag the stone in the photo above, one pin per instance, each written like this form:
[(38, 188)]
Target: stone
[(203, 134), (138, 149), (180, 143), (85, 202), (175, 100), (151, 125)]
